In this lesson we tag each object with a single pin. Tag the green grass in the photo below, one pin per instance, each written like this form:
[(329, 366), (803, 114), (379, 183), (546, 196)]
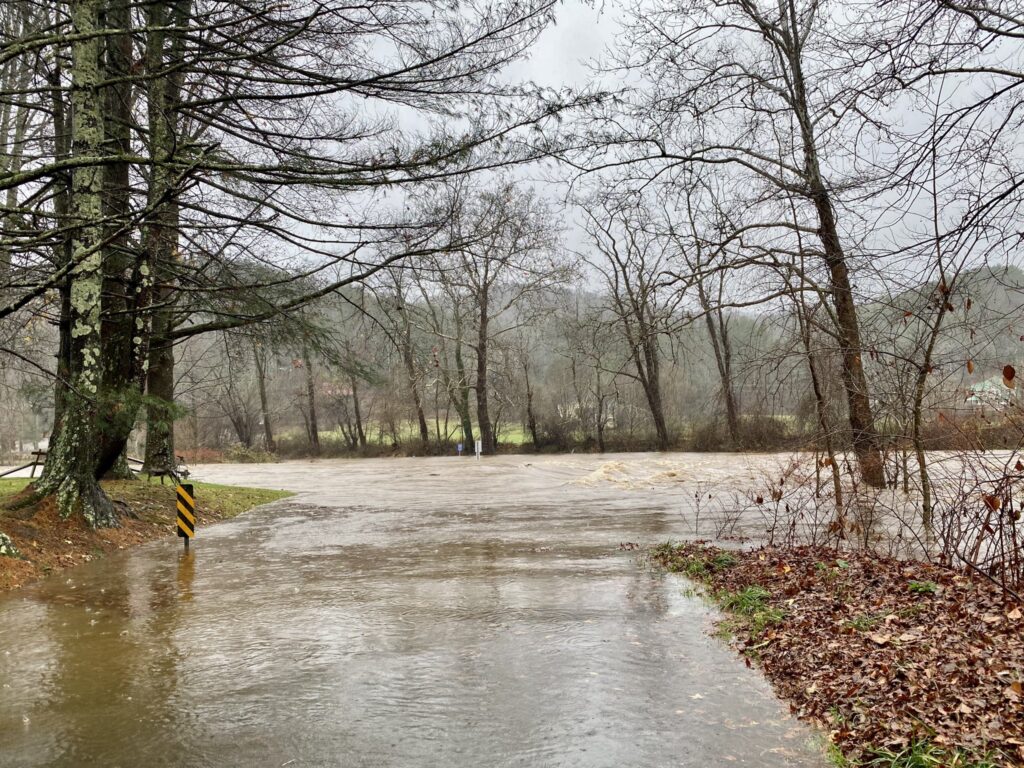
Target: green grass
[(836, 757), (924, 754), (695, 566), (751, 610), (723, 560), (864, 622), (749, 606), (923, 587), (409, 431), (920, 754), (152, 500), (225, 500), (747, 601), (761, 620), (11, 485)]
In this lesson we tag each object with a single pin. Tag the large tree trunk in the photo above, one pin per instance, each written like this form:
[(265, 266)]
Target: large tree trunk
[(862, 422), (62, 209), (160, 411), (162, 229), (70, 470), (121, 470), (126, 278)]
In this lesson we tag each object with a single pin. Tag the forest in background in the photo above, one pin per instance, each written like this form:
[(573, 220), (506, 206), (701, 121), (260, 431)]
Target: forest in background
[(314, 228), (378, 372)]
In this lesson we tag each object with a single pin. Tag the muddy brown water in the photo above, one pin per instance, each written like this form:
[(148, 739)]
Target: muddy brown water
[(396, 613)]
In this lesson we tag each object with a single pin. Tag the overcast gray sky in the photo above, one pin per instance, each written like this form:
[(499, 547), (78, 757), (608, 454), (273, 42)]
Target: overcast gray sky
[(580, 32)]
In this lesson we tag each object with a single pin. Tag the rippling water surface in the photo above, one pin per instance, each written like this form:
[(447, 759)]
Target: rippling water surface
[(412, 612)]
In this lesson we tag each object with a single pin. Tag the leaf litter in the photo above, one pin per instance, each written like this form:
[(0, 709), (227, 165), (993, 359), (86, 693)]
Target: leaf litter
[(882, 654)]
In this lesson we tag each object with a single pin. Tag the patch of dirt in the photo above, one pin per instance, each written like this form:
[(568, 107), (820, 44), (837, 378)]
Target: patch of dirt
[(880, 653)]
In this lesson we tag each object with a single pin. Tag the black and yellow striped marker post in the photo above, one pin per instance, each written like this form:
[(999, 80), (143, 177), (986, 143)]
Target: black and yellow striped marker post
[(186, 512)]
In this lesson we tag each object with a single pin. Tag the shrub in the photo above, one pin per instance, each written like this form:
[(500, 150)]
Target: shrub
[(242, 455)]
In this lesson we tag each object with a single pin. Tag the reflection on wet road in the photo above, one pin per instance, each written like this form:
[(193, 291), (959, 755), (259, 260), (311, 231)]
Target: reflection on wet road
[(414, 612)]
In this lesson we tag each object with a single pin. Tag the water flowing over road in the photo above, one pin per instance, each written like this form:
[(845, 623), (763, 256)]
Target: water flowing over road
[(398, 612)]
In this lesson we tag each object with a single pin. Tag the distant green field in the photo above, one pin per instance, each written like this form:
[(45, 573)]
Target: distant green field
[(409, 431)]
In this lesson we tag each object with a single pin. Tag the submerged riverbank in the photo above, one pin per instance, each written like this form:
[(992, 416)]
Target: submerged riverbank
[(903, 664), (402, 612), (43, 542)]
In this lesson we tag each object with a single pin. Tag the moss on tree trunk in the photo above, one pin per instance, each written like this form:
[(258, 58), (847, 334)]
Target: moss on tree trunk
[(70, 470)]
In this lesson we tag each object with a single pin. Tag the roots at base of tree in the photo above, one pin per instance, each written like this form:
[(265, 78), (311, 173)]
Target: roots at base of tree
[(120, 471), (89, 500), (23, 505), (82, 497)]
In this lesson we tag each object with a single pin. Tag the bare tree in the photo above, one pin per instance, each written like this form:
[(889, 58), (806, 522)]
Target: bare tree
[(503, 251), (737, 85), (633, 266)]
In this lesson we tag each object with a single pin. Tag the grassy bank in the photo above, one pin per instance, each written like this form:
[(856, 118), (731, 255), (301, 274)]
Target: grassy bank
[(45, 543), (904, 665)]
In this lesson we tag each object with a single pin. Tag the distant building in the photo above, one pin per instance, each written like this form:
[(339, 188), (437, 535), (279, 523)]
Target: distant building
[(991, 393)]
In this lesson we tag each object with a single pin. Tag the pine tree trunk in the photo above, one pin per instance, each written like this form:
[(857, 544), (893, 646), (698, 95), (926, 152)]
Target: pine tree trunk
[(62, 209), (72, 459), (127, 277), (163, 51), (121, 470), (160, 455), (162, 229)]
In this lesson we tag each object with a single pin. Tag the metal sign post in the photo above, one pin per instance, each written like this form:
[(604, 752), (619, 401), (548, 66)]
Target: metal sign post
[(186, 512), (479, 448)]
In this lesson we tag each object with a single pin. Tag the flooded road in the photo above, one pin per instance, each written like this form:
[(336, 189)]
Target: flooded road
[(395, 613)]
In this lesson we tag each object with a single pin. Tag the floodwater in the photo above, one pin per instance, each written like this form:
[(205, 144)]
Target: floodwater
[(434, 612)]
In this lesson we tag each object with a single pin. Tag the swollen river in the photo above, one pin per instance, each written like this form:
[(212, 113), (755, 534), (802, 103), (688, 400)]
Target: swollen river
[(437, 613)]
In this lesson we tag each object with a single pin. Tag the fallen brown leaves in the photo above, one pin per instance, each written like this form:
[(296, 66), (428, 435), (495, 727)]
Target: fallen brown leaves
[(879, 652), (49, 543)]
